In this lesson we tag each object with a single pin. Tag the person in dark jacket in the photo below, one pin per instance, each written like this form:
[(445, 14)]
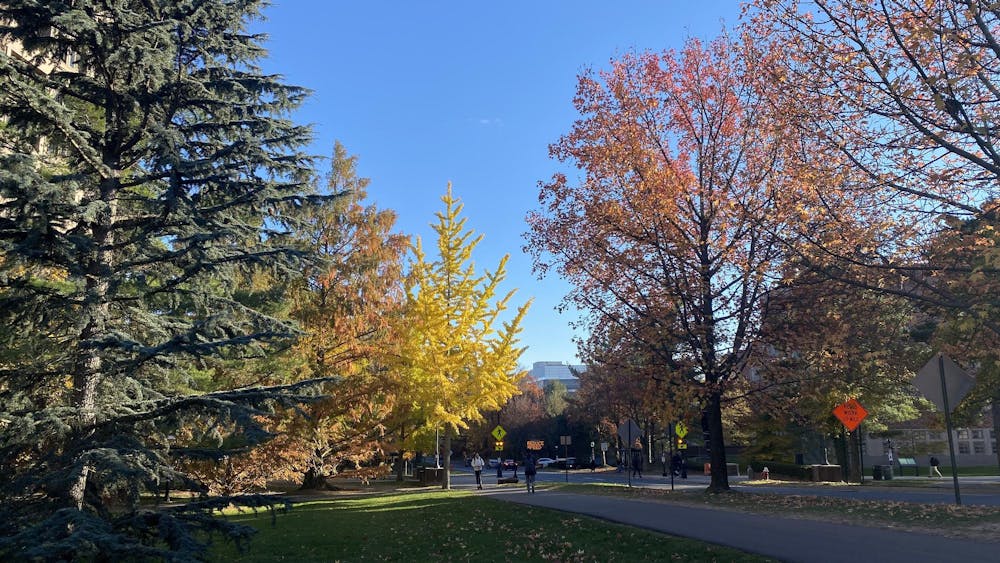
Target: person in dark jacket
[(934, 467), (529, 472)]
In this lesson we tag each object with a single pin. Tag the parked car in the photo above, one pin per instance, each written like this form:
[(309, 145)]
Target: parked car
[(568, 463), (509, 465), (493, 462), (544, 462)]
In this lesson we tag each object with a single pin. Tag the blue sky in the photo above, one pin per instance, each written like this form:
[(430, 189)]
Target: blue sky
[(468, 92)]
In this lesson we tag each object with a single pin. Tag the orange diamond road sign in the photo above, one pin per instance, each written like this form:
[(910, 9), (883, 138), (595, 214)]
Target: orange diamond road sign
[(851, 414)]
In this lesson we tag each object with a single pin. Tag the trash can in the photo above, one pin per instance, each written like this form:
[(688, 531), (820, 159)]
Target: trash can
[(877, 472), (887, 472)]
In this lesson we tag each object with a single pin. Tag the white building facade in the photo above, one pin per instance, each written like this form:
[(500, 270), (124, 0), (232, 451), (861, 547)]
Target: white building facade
[(543, 372)]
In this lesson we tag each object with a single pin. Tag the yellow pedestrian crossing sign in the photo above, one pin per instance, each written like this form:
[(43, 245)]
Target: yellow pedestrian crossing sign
[(499, 432), (680, 429)]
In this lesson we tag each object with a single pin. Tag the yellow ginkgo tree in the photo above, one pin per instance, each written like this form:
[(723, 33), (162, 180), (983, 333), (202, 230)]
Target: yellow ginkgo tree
[(460, 352)]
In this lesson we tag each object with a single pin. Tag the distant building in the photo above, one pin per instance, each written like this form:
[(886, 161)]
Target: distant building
[(44, 66), (543, 372), (920, 439)]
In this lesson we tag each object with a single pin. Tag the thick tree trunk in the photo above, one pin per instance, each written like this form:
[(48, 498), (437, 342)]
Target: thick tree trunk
[(401, 461), (313, 480), (717, 444), (840, 450), (94, 314), (85, 384), (446, 474), (87, 372), (853, 456), (995, 410)]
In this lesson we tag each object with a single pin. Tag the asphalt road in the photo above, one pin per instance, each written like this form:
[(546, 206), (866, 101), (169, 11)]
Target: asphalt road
[(973, 490), (785, 539)]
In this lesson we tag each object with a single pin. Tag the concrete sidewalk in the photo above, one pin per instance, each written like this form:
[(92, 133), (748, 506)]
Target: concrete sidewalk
[(785, 539)]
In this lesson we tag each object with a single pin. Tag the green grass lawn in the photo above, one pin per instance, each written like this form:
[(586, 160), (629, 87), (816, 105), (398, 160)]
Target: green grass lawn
[(454, 526), (976, 470)]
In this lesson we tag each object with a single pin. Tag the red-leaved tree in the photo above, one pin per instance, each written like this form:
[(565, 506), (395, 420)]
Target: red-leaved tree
[(672, 226)]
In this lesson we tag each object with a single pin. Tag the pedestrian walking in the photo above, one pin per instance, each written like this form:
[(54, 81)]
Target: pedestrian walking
[(637, 463), (529, 472), (934, 467), (477, 467), (675, 464)]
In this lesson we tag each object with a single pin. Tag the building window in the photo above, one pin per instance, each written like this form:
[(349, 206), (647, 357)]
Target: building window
[(977, 434), (931, 435), (993, 434), (994, 446), (963, 447), (963, 434), (979, 447), (918, 435)]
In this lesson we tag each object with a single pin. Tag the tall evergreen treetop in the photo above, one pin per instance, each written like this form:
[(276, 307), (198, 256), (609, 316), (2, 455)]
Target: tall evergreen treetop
[(146, 165)]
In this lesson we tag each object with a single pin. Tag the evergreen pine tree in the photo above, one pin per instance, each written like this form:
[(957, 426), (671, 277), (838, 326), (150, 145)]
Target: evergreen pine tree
[(136, 184)]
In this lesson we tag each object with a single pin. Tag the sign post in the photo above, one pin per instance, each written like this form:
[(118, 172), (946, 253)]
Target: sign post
[(940, 380), (498, 433), (851, 413), (565, 441), (628, 431)]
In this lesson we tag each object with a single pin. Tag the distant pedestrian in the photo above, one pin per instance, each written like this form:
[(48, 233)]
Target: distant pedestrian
[(637, 463), (934, 467), (529, 472), (675, 464), (477, 467)]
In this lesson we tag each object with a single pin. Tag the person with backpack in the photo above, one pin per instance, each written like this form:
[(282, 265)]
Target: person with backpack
[(934, 467), (477, 467), (529, 472)]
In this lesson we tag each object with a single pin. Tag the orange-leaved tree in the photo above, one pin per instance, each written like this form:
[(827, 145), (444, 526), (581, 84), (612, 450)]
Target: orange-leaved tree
[(350, 311), (903, 96), (906, 94), (459, 353), (625, 380), (672, 226)]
